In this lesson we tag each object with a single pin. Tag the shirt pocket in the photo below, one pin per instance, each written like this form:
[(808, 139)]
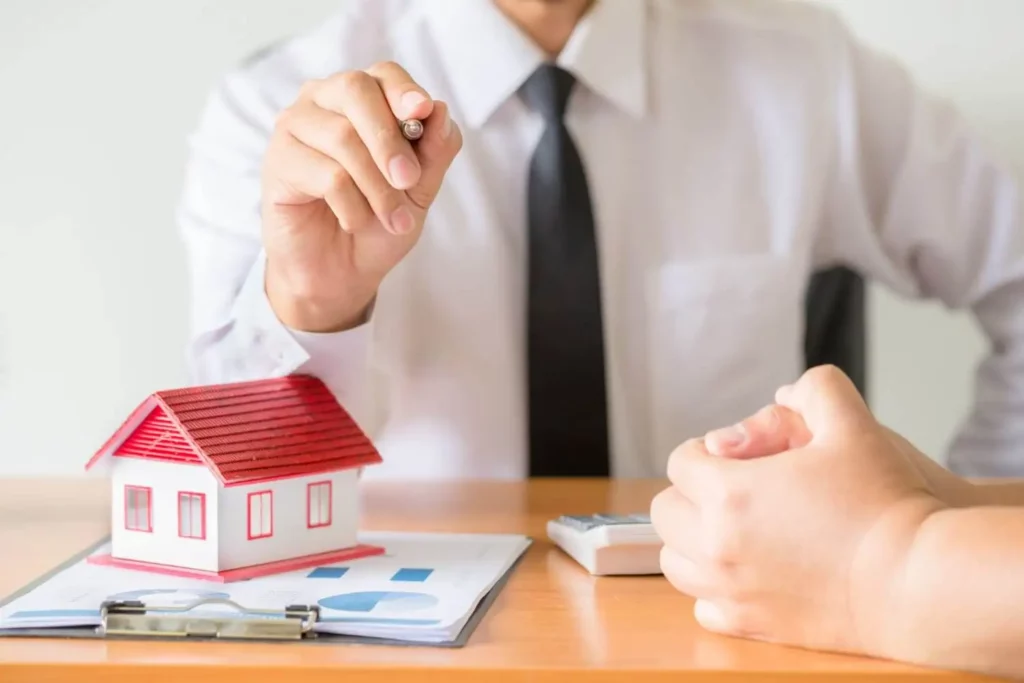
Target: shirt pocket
[(724, 333)]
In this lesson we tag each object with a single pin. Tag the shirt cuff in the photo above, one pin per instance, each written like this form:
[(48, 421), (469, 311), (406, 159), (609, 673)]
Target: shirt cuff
[(340, 359), (262, 342)]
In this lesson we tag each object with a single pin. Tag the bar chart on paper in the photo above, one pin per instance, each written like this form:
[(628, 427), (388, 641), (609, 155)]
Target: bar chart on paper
[(424, 588)]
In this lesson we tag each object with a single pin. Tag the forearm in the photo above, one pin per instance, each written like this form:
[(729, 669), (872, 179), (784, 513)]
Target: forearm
[(959, 595), (1008, 493)]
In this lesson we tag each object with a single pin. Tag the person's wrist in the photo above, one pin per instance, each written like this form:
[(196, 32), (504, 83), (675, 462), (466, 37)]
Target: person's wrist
[(880, 594), (965, 493), (306, 311), (915, 636)]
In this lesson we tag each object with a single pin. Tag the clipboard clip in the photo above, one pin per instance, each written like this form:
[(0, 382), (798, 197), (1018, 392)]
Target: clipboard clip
[(135, 618)]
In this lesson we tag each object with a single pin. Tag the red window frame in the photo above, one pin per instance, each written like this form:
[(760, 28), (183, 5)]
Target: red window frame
[(148, 491), (309, 503), (202, 515), (248, 514)]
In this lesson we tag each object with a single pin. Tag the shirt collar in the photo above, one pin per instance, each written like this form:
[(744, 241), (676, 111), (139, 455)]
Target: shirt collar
[(487, 57)]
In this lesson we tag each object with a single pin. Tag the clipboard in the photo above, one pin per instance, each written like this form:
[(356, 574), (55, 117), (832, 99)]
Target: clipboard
[(134, 620)]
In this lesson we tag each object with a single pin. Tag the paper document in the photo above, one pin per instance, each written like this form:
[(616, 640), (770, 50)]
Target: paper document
[(423, 589)]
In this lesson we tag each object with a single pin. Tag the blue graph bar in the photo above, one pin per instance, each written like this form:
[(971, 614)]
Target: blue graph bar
[(327, 573), (415, 575)]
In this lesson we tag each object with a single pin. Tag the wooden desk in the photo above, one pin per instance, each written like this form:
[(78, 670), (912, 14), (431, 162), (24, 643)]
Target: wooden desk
[(553, 622)]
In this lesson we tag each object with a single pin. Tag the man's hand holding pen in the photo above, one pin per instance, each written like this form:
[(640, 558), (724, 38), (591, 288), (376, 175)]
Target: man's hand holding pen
[(346, 191)]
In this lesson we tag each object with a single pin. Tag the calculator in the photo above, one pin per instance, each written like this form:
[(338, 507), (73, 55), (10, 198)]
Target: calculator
[(609, 544)]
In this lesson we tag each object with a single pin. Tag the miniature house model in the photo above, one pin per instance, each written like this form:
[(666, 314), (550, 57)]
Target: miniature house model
[(234, 481)]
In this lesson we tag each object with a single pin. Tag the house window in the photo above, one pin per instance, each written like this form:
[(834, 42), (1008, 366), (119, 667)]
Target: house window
[(318, 504), (138, 508), (261, 514), (191, 515)]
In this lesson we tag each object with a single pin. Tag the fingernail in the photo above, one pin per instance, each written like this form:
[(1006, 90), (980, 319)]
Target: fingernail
[(729, 437), (409, 102), (404, 172), (402, 221)]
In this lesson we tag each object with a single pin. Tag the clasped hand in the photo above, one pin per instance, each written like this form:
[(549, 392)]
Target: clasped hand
[(792, 526)]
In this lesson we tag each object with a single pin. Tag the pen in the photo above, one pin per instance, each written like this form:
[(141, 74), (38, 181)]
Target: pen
[(412, 129)]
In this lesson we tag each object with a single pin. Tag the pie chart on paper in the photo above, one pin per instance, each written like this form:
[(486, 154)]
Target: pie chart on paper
[(390, 602)]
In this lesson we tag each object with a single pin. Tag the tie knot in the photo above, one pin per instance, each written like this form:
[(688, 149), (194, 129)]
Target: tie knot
[(547, 91)]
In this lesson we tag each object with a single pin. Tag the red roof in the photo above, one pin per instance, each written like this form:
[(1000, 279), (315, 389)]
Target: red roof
[(246, 431)]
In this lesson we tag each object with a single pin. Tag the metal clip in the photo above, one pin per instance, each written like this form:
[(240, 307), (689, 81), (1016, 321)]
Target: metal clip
[(133, 617)]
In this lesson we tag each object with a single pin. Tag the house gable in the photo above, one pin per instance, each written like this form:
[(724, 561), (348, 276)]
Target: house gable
[(149, 432), (158, 438)]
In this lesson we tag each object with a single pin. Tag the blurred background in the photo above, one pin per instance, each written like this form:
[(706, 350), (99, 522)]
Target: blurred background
[(98, 97)]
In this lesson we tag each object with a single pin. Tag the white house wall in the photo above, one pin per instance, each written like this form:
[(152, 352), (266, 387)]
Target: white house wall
[(291, 537), (163, 545)]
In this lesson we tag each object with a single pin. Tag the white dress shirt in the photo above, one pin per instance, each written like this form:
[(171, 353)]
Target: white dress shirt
[(732, 148)]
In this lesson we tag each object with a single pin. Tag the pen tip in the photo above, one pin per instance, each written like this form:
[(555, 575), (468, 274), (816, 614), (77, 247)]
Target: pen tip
[(412, 129)]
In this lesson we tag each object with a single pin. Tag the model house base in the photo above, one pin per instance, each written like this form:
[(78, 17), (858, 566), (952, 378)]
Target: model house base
[(244, 573)]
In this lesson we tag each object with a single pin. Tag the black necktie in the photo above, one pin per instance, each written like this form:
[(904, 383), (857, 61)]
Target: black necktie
[(568, 423)]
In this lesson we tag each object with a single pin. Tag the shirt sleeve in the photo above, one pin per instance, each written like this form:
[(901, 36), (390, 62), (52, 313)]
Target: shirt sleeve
[(915, 200), (234, 333)]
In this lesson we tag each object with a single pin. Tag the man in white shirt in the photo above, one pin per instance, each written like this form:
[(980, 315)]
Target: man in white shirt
[(718, 152)]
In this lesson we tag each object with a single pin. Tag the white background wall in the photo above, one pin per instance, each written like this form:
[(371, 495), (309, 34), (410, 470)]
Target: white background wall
[(96, 101)]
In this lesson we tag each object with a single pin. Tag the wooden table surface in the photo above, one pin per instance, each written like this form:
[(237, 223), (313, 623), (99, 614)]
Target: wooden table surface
[(552, 622)]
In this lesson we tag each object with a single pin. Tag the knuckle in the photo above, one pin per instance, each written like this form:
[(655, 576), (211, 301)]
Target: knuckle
[(678, 572), (384, 66), (387, 135), (352, 80), (285, 118), (736, 501), (725, 531), (665, 560), (680, 451), (722, 553), (678, 458), (338, 178), (386, 201), (658, 507), (345, 133), (309, 89), (732, 500)]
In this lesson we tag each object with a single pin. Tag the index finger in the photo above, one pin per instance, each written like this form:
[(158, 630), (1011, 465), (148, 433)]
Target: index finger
[(405, 97), (358, 96)]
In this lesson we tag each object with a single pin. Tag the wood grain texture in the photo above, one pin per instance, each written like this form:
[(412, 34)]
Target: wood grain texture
[(553, 621)]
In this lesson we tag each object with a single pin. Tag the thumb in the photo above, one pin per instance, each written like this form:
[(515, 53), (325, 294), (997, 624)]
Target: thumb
[(827, 400), (770, 431), (437, 148)]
